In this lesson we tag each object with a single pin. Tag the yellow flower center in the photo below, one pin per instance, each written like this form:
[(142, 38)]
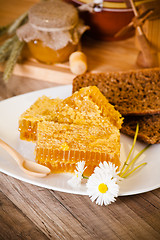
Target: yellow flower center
[(102, 188)]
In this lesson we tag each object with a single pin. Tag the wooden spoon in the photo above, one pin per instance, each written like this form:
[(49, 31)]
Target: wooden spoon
[(29, 167)]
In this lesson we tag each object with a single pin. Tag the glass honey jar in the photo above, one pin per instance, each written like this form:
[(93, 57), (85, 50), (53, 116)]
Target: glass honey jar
[(53, 31)]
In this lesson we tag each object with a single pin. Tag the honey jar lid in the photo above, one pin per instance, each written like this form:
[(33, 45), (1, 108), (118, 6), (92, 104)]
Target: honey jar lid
[(53, 15), (55, 23)]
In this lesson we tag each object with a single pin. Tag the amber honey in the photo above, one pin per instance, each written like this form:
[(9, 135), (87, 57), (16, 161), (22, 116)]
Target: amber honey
[(53, 31), (67, 167), (88, 106), (60, 165), (31, 127), (93, 103), (82, 127), (61, 146), (43, 109), (48, 55)]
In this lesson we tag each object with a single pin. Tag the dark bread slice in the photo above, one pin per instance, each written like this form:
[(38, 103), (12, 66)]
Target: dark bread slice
[(134, 92), (149, 127)]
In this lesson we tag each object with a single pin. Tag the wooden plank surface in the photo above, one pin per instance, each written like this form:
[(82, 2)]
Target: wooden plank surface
[(12, 218), (30, 212), (67, 216)]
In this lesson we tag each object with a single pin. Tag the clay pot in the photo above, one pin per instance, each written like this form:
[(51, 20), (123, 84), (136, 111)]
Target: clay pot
[(105, 24)]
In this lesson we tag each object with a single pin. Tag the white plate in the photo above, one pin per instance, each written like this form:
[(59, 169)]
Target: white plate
[(146, 179)]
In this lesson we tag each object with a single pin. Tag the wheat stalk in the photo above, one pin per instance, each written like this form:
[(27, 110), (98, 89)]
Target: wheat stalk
[(15, 53)]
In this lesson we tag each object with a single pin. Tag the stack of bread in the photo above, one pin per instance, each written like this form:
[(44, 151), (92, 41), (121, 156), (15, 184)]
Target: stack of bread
[(135, 94), (82, 127)]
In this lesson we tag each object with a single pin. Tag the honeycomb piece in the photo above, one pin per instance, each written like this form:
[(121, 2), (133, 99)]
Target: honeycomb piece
[(91, 101), (88, 106), (61, 167), (43, 109), (62, 143)]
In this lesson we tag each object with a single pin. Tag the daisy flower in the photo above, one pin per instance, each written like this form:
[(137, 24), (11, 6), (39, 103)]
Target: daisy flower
[(109, 168), (102, 186), (78, 176)]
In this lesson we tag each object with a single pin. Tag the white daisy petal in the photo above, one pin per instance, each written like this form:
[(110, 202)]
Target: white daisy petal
[(102, 184), (75, 181), (100, 200), (110, 168), (93, 197), (80, 166)]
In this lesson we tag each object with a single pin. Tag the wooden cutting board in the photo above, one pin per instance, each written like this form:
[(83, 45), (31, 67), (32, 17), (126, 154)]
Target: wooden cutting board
[(102, 56)]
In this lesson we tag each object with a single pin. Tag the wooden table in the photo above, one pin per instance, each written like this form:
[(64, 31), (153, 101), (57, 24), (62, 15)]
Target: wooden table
[(31, 212)]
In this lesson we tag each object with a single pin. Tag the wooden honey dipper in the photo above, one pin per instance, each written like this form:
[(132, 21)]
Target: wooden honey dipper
[(146, 58)]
